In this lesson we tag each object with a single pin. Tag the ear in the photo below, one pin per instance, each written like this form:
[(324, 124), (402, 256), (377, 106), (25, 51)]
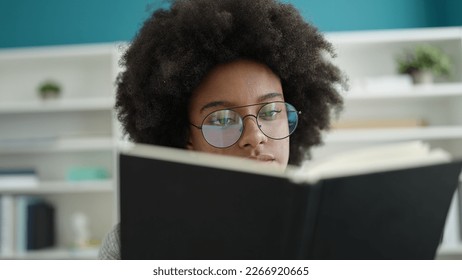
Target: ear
[(189, 145)]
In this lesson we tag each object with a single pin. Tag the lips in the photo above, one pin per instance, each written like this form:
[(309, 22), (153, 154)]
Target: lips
[(263, 157)]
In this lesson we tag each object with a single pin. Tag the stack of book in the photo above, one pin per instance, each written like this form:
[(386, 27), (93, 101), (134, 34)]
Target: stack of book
[(26, 223), (18, 178)]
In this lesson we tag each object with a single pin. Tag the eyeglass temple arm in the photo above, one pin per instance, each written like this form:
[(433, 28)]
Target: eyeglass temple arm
[(198, 127)]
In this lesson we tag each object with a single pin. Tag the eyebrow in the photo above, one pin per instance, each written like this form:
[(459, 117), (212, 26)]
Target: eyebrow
[(269, 96), (227, 104)]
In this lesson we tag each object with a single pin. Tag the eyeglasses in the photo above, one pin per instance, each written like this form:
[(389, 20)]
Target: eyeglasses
[(223, 128)]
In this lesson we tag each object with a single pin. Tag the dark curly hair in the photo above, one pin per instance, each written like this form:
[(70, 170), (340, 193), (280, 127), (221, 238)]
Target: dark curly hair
[(176, 48)]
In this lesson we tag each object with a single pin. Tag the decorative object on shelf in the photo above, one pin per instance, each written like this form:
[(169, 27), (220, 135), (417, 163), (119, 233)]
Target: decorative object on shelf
[(81, 230), (424, 63), (49, 90), (76, 174)]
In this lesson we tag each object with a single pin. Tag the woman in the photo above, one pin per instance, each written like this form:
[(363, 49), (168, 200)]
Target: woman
[(255, 68)]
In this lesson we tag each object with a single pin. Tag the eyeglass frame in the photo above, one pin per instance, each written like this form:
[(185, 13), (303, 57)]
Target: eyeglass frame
[(263, 104)]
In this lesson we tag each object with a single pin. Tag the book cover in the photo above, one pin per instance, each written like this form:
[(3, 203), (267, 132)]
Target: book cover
[(40, 225), (177, 204)]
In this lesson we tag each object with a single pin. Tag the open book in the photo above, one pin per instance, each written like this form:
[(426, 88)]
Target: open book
[(372, 159), (177, 204)]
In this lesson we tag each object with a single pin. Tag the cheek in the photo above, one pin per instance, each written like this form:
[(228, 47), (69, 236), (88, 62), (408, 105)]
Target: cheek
[(282, 149), (198, 143)]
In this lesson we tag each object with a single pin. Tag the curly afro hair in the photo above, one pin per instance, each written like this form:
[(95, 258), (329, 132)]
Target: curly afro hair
[(177, 47)]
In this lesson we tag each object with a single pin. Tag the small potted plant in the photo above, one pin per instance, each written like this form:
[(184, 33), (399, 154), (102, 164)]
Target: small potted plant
[(49, 90), (424, 63)]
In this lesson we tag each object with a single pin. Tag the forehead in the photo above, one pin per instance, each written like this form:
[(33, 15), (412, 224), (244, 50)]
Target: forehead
[(239, 82)]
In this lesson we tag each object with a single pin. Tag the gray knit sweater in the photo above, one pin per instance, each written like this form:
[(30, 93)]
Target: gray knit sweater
[(110, 249)]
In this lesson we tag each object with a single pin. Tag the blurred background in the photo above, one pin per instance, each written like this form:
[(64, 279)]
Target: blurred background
[(51, 22), (58, 134)]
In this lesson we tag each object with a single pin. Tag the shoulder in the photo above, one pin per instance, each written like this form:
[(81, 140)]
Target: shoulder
[(110, 248)]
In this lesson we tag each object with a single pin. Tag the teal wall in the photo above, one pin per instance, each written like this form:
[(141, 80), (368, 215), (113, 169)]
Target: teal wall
[(51, 22), (341, 15), (453, 13), (55, 22)]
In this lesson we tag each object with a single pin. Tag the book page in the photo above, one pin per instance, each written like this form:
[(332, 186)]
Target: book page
[(372, 159), (200, 158)]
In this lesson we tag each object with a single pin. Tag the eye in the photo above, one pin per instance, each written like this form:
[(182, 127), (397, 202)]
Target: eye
[(269, 115), (222, 118), (222, 121)]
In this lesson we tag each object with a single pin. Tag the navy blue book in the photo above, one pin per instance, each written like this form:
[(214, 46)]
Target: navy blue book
[(16, 171), (40, 225), (177, 204)]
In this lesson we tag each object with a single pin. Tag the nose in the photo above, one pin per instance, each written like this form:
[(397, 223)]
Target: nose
[(252, 136)]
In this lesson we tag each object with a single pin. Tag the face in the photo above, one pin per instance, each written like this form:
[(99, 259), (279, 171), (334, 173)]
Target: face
[(232, 85)]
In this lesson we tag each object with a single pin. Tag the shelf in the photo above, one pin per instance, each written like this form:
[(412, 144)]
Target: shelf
[(420, 91), (56, 136), (59, 105), (56, 144), (393, 134), (395, 36), (55, 254), (77, 51), (63, 187)]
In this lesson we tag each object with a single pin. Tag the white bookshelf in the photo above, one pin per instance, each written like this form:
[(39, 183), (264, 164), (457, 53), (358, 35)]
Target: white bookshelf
[(55, 254), (59, 105), (395, 36), (377, 92), (56, 145), (441, 90), (62, 187), (54, 136), (343, 136)]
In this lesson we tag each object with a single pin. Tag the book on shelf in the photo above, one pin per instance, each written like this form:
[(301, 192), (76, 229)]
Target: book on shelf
[(27, 223), (6, 225), (388, 202), (35, 220), (459, 207), (18, 178), (40, 225)]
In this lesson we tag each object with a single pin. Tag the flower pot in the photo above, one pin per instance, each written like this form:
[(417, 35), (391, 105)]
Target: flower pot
[(422, 77), (49, 94)]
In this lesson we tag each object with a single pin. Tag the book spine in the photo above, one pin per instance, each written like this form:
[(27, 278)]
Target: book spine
[(1, 222), (459, 192), (40, 226), (294, 214), (7, 225), (21, 203), (22, 216), (310, 213)]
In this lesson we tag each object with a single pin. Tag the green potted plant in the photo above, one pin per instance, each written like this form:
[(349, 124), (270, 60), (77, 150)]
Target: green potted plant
[(424, 63), (49, 90)]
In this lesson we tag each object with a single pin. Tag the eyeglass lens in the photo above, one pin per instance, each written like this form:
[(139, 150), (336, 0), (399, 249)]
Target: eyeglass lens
[(223, 128)]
